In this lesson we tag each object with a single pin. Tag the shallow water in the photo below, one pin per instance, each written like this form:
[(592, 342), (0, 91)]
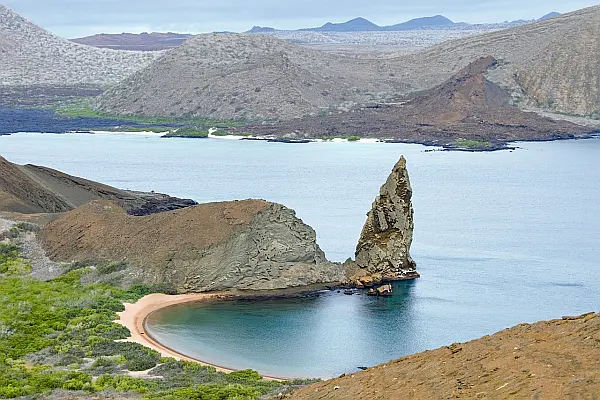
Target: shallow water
[(500, 238)]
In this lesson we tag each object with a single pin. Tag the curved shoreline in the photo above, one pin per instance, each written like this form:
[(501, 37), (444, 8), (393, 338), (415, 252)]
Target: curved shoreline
[(135, 315)]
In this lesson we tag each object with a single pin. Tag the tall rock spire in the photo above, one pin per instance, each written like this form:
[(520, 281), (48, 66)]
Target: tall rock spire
[(384, 246)]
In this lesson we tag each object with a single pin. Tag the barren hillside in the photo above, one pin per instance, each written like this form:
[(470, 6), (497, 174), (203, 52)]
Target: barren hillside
[(30, 55), (467, 108), (247, 76), (552, 63), (131, 41), (546, 360)]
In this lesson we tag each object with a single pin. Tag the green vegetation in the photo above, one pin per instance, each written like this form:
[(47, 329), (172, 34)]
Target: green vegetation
[(471, 144), (188, 132), (85, 111), (60, 335), (11, 263), (353, 138)]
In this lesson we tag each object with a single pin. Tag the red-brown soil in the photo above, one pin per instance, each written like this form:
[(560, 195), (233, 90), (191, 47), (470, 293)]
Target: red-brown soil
[(552, 360)]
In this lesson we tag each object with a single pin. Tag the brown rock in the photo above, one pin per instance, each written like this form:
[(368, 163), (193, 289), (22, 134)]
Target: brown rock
[(384, 245)]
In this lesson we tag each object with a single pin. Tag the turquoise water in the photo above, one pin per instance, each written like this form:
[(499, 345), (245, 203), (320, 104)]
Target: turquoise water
[(501, 238)]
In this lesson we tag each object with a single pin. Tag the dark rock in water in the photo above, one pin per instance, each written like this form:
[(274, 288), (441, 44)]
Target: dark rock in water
[(157, 203), (383, 250)]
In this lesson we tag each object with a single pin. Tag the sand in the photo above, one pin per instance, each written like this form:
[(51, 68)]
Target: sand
[(135, 315)]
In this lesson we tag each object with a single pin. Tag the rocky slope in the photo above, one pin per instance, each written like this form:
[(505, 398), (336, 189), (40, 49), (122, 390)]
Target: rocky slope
[(467, 108), (30, 189), (30, 55), (230, 76), (130, 41), (383, 250), (546, 360), (247, 245), (551, 63)]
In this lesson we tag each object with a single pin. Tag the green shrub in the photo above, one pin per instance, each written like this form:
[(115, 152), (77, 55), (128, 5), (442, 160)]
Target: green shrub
[(353, 138), (109, 268)]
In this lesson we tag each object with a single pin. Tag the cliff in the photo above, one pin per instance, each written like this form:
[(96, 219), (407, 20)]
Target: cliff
[(383, 250), (550, 360), (246, 245)]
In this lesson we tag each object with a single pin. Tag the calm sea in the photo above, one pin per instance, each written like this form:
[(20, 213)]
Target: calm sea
[(501, 238)]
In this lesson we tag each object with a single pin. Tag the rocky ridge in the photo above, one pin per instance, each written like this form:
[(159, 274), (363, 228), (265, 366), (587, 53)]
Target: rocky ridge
[(245, 245), (383, 250), (30, 55)]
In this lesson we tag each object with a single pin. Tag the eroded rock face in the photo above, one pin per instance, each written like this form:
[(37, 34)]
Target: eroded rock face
[(383, 250), (245, 245)]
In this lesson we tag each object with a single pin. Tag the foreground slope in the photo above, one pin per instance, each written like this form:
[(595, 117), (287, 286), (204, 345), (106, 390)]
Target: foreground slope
[(546, 360), (30, 55)]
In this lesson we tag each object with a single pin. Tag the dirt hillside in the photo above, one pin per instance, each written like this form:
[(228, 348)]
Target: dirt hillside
[(32, 189), (467, 106), (551, 360)]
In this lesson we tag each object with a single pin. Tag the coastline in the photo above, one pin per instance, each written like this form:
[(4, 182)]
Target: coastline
[(135, 315)]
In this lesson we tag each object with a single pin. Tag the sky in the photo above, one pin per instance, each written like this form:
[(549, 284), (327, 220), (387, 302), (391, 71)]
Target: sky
[(75, 18)]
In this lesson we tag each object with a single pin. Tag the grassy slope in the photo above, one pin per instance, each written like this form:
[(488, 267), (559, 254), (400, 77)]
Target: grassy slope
[(61, 335)]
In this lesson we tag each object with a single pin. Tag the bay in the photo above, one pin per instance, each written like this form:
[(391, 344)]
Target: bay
[(501, 238)]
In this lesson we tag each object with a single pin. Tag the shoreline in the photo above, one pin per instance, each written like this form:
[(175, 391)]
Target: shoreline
[(135, 315)]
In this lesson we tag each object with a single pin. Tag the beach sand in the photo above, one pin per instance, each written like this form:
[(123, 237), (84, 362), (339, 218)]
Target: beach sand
[(134, 318)]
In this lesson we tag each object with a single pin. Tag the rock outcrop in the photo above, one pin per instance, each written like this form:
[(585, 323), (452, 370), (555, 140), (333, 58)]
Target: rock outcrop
[(383, 250), (245, 245)]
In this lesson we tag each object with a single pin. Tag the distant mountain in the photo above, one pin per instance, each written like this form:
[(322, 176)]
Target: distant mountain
[(549, 15), (30, 55), (261, 29), (131, 41), (421, 23), (354, 25), (436, 22)]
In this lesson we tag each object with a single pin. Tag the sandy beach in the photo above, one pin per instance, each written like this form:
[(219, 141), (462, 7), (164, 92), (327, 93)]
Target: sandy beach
[(134, 318)]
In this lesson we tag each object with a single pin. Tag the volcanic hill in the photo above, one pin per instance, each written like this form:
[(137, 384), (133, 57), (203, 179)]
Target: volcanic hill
[(552, 64), (467, 108), (130, 41), (30, 55), (246, 76)]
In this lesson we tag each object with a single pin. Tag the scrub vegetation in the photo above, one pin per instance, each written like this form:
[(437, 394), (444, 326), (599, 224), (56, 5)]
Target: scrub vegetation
[(60, 337)]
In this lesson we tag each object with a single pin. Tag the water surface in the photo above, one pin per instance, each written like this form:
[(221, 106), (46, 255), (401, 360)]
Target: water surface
[(501, 238)]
